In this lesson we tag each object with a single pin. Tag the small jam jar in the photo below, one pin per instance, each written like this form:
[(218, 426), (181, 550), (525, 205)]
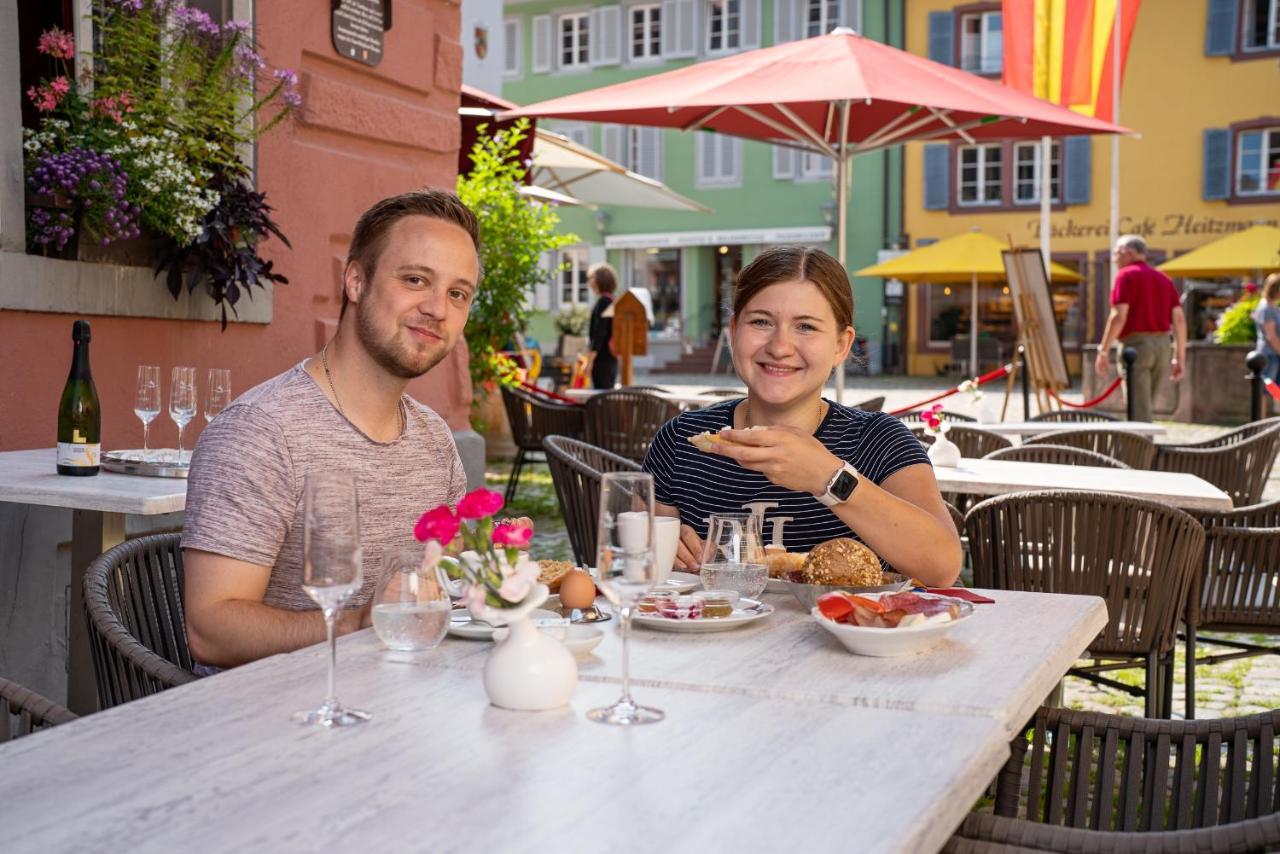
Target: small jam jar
[(717, 603), (681, 608), (650, 602)]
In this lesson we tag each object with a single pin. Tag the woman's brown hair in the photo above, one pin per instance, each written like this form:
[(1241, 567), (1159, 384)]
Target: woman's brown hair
[(797, 264), (1271, 288)]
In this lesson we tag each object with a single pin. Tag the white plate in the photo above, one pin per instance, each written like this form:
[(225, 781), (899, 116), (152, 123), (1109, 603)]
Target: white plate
[(680, 582), (883, 643), (746, 611), (461, 625)]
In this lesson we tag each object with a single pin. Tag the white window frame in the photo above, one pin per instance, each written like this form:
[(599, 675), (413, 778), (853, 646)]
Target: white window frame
[(1270, 138), (985, 64), (727, 34), (579, 49), (633, 141), (1273, 26), (513, 34), (726, 155), (651, 52), (982, 151), (1055, 162), (573, 265), (828, 16), (812, 166)]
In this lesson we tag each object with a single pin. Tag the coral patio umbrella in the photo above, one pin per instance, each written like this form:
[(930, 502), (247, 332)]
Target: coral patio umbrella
[(970, 257), (838, 95), (1251, 252)]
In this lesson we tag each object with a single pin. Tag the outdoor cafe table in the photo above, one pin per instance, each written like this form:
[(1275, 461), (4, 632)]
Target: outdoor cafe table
[(1022, 429), (100, 505), (775, 739), (997, 477)]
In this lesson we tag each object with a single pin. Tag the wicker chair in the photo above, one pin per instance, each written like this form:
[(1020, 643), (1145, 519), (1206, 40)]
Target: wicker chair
[(1138, 555), (1093, 782), (1238, 462), (1075, 416), (23, 712), (656, 389), (1237, 592), (1062, 455), (913, 417), (531, 419), (725, 392), (625, 421), (1137, 452), (874, 404), (1265, 514), (973, 442), (576, 470), (133, 599)]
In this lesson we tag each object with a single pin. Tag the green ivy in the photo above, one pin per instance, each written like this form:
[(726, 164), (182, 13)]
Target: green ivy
[(1236, 324)]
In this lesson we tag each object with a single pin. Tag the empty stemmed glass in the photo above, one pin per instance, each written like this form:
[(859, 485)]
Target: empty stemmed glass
[(332, 572), (182, 401), (217, 394), (146, 402), (627, 570)]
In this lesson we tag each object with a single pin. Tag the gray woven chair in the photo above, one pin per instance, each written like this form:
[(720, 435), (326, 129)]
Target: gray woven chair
[(725, 392), (23, 712), (1137, 452), (1237, 592), (874, 404), (133, 599), (1062, 455), (656, 389), (533, 417), (1092, 782), (1238, 462), (576, 470), (1265, 514), (1138, 555), (625, 421), (973, 442), (913, 417), (1074, 416)]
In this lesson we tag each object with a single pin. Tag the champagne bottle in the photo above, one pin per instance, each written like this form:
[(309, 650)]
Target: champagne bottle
[(79, 419)]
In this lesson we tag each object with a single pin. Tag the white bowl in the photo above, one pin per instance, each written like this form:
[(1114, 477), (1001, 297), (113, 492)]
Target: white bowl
[(884, 643), (579, 639)]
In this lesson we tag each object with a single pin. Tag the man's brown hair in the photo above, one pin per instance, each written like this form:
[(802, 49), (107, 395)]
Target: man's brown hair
[(370, 236), (797, 264)]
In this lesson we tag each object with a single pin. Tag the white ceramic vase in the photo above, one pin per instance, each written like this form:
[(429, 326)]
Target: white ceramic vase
[(527, 671), (943, 452)]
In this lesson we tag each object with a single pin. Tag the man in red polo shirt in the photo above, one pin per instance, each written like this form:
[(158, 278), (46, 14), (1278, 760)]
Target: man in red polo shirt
[(1144, 305)]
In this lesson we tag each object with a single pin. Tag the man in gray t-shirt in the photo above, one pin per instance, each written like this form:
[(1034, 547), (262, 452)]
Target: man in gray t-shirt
[(411, 274)]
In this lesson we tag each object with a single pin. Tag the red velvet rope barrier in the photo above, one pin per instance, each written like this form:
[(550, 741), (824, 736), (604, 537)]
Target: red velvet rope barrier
[(558, 398), (1088, 403), (1272, 388), (982, 380)]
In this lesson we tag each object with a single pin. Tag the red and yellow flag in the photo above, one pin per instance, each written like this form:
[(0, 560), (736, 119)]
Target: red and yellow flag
[(1062, 50)]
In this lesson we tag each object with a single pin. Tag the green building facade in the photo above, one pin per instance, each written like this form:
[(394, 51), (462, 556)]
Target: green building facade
[(760, 194)]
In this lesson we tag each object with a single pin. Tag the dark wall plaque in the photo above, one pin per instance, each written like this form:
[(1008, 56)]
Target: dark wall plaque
[(357, 27)]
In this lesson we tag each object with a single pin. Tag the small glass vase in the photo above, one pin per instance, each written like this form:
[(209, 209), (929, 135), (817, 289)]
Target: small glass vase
[(411, 609)]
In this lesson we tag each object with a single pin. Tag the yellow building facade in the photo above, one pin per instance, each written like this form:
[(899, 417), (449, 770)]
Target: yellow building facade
[(1202, 89)]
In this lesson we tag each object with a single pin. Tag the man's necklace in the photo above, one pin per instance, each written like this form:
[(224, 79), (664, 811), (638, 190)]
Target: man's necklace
[(324, 360), (746, 414)]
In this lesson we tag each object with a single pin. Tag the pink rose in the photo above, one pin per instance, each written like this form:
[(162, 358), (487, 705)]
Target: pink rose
[(513, 534), (439, 524), (479, 504)]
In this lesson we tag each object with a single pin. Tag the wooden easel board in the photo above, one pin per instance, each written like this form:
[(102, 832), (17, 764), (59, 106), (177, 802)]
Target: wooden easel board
[(1033, 308)]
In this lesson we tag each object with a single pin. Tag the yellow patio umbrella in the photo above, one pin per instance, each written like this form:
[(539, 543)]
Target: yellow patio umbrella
[(970, 257), (1251, 252)]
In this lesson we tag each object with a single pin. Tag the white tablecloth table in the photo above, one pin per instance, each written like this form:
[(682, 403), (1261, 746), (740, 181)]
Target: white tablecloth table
[(1035, 428)]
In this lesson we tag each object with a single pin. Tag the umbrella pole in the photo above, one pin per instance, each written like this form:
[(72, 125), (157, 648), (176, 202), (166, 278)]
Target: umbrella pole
[(973, 329), (842, 208)]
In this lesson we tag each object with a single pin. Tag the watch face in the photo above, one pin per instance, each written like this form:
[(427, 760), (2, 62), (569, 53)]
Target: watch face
[(843, 487)]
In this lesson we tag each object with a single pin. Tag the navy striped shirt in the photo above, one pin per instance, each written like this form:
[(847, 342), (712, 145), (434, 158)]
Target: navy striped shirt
[(699, 484)]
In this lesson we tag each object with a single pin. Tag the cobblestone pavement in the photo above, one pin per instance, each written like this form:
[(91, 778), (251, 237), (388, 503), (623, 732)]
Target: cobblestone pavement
[(1230, 688)]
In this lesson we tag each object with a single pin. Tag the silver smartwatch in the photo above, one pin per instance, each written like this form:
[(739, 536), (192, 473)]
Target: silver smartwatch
[(841, 486)]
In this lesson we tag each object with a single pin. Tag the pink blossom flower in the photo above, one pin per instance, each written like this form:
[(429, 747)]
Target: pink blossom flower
[(517, 581), (44, 97), (474, 598), (439, 524), (479, 504), (57, 44), (514, 534)]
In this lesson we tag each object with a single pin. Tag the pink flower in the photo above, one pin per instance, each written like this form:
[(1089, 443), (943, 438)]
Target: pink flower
[(439, 524), (517, 581), (474, 599), (514, 534), (47, 96), (57, 44), (479, 504), (60, 85)]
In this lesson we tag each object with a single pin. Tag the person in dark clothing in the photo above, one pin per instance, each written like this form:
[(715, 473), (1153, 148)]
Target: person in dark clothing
[(604, 364)]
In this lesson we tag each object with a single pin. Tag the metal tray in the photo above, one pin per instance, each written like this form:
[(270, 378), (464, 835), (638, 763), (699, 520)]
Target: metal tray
[(159, 462)]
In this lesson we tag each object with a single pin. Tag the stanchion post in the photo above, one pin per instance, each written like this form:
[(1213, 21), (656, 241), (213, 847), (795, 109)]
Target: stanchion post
[(1256, 362), (1026, 383), (1128, 355)]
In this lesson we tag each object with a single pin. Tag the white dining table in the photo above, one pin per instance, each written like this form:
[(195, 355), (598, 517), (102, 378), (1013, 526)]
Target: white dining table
[(998, 477), (1021, 429), (100, 505), (775, 738)]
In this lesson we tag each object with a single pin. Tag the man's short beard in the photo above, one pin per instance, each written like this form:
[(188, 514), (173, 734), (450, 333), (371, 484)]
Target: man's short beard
[(393, 358)]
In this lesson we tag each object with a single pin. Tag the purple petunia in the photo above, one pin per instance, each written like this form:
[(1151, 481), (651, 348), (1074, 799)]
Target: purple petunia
[(195, 22), (93, 182)]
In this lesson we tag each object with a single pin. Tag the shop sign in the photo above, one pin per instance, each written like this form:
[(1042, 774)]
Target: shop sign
[(357, 27), (1168, 225)]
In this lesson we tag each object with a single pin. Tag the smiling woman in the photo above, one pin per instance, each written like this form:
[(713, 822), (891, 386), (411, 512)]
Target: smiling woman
[(814, 470)]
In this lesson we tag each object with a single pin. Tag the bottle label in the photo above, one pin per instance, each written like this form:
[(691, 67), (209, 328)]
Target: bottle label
[(79, 455)]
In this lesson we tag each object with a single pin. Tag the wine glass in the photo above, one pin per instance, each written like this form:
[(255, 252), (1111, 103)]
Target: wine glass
[(182, 401), (732, 555), (331, 572), (217, 396), (627, 570), (146, 402)]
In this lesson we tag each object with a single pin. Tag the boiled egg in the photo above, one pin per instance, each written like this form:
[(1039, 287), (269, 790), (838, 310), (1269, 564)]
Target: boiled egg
[(577, 590)]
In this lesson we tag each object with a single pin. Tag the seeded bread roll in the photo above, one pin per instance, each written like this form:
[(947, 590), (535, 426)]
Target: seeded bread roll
[(844, 562)]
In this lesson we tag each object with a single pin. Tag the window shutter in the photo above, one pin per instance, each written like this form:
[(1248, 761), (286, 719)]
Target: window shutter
[(649, 153), (1217, 164), (731, 159), (786, 21), (542, 43), (611, 138), (1220, 28), (750, 24), (679, 29), (851, 14), (942, 35), (937, 176), (606, 35), (784, 163), (1077, 160), (706, 158), (511, 47)]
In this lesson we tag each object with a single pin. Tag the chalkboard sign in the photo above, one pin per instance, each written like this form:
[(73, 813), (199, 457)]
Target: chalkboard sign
[(357, 27)]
